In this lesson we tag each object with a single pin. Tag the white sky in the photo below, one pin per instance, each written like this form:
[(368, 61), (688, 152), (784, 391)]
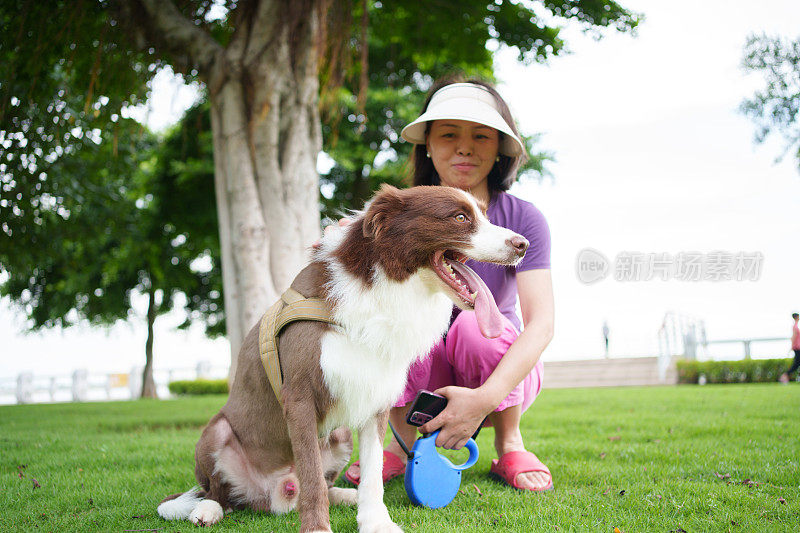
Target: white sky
[(651, 156)]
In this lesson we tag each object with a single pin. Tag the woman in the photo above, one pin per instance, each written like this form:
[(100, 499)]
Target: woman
[(466, 138)]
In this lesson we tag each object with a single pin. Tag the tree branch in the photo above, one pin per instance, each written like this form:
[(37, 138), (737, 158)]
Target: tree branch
[(242, 17), (166, 26), (262, 30)]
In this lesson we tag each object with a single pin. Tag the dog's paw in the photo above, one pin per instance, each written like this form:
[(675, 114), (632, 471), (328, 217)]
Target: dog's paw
[(380, 527), (207, 513), (377, 522), (338, 496)]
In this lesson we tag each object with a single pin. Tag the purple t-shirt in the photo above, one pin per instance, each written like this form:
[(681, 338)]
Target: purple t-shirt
[(524, 218)]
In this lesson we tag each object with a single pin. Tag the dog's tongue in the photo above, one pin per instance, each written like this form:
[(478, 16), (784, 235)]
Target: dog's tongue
[(490, 321)]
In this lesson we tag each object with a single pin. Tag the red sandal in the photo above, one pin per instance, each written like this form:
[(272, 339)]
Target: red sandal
[(512, 464), (392, 467)]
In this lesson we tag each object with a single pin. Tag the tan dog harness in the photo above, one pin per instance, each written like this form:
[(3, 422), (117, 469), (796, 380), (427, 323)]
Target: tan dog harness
[(292, 307)]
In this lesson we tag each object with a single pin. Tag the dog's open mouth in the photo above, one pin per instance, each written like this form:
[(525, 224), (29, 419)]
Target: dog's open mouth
[(469, 289)]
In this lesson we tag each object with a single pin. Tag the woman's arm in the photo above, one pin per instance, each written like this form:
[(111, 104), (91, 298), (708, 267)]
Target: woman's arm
[(535, 288), (466, 407)]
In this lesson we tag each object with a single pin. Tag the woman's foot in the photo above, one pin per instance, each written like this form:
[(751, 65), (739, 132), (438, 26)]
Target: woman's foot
[(508, 438), (393, 466), (534, 481)]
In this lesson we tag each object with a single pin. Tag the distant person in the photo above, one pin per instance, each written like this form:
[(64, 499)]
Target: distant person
[(606, 331), (795, 348)]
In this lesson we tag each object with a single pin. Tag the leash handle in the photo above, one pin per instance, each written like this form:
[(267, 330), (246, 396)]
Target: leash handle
[(424, 447), (410, 454)]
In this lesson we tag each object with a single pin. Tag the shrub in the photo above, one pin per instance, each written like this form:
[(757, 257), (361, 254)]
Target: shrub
[(744, 371), (199, 386)]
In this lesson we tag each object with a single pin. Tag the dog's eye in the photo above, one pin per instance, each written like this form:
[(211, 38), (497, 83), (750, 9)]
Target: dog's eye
[(461, 217)]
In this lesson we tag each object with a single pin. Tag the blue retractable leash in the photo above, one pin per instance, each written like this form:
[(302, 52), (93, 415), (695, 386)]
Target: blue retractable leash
[(431, 479)]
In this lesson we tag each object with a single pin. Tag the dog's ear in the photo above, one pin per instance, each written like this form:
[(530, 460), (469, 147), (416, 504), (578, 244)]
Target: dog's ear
[(388, 200)]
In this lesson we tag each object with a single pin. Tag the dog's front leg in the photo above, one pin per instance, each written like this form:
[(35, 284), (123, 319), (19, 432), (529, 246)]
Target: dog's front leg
[(312, 505), (373, 517)]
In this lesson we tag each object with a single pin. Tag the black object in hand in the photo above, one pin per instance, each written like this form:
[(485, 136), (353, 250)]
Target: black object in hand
[(425, 407)]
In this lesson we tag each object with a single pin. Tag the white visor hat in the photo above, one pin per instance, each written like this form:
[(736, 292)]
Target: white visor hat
[(464, 101)]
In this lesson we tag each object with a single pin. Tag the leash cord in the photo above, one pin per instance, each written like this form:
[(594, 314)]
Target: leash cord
[(400, 441)]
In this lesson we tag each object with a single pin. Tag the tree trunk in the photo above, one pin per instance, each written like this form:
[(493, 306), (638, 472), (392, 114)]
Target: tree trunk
[(267, 136), (148, 384), (263, 89)]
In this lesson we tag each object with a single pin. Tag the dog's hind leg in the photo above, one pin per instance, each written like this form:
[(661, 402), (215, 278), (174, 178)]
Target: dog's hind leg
[(210, 509), (336, 451), (373, 517), (199, 505), (195, 505), (180, 506), (313, 502), (340, 496)]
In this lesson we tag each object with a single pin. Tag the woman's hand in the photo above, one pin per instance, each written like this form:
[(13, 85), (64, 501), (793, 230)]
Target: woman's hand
[(466, 409), (330, 227)]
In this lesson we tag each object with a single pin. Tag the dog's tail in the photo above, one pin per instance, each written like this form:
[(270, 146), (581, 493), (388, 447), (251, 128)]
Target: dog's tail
[(180, 506)]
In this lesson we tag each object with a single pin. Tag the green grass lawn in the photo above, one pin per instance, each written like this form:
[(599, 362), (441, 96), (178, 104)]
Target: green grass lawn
[(713, 458)]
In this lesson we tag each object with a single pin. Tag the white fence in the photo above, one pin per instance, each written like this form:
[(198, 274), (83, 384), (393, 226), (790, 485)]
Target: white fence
[(684, 336), (83, 386)]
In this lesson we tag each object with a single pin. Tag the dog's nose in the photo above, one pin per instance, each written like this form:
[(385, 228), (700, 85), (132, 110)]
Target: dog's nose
[(289, 489), (519, 243)]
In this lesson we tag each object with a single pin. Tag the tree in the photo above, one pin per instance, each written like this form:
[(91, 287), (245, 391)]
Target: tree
[(264, 64), (120, 215), (775, 108)]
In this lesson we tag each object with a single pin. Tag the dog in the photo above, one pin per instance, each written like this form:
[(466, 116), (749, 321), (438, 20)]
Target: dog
[(390, 279)]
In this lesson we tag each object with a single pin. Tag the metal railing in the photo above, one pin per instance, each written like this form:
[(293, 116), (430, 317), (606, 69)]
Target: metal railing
[(747, 342), (82, 386), (684, 336)]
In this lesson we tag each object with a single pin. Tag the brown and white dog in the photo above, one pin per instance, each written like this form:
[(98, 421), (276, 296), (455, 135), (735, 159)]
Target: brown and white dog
[(390, 279)]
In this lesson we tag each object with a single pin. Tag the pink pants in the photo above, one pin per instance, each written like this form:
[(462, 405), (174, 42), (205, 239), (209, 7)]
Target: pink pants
[(466, 358)]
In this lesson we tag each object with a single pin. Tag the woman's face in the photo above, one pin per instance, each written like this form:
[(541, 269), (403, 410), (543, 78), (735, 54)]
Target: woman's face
[(463, 153)]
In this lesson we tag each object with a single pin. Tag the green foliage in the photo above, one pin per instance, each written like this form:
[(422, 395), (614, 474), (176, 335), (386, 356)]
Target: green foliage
[(91, 207), (743, 371), (66, 72), (117, 214), (70, 228), (183, 204), (775, 108), (410, 45), (78, 227), (199, 386), (690, 458)]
